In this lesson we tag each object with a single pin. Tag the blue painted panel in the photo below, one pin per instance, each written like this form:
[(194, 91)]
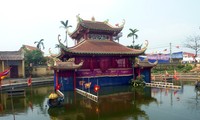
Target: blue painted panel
[(65, 82), (146, 73), (105, 81)]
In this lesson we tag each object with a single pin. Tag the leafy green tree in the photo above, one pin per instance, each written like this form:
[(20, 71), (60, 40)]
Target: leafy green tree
[(33, 58), (39, 44), (133, 34), (66, 26)]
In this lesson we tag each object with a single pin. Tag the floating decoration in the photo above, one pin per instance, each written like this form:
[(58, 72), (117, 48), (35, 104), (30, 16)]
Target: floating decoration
[(96, 88), (53, 96), (87, 85), (81, 82)]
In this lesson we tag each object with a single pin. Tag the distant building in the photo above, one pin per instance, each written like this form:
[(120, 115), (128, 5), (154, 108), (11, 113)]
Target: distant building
[(15, 60), (28, 47), (176, 57)]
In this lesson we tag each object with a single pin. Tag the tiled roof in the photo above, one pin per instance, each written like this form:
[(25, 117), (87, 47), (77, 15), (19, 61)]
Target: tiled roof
[(95, 25), (11, 55), (102, 47), (28, 47), (67, 65), (145, 63)]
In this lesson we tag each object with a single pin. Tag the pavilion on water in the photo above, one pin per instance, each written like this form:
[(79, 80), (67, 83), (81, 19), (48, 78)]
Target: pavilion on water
[(97, 58)]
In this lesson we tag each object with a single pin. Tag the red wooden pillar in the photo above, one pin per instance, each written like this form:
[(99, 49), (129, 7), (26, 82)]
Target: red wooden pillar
[(74, 80), (56, 78)]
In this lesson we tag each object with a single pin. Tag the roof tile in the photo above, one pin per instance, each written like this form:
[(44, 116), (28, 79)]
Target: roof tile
[(11, 55), (102, 47)]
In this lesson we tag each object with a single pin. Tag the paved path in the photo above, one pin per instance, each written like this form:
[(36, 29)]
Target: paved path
[(22, 82)]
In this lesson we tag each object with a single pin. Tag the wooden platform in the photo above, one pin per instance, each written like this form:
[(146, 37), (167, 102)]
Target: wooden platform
[(16, 93), (163, 85), (87, 95)]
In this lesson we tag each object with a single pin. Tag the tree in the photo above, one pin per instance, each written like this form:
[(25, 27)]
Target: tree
[(193, 42), (66, 26), (39, 44), (33, 58), (133, 34)]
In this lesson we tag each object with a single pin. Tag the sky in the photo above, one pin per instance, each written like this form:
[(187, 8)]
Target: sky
[(161, 22)]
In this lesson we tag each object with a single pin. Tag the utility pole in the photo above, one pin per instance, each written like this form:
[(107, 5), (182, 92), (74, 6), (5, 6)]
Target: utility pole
[(170, 48)]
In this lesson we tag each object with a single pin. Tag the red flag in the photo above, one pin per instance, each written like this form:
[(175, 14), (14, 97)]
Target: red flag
[(29, 81), (5, 72), (175, 75), (175, 92), (166, 73)]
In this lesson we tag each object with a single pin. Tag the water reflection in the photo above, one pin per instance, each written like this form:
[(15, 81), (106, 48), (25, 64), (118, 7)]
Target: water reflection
[(118, 102), (122, 102), (19, 106)]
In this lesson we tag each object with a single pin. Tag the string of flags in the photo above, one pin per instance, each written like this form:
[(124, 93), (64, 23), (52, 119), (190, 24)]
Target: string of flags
[(164, 50)]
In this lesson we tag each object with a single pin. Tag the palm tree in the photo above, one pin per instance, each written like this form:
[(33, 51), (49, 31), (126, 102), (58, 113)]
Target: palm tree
[(66, 26), (133, 34), (39, 44)]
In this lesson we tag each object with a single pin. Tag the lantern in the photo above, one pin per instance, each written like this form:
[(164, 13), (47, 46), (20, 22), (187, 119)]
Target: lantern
[(96, 88)]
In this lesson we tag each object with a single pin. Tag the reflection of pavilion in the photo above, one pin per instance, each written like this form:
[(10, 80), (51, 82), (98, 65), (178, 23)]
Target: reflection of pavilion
[(111, 105)]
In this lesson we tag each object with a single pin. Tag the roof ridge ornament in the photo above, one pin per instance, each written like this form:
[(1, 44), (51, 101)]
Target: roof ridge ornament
[(62, 46), (123, 23), (145, 45), (78, 18), (106, 21), (93, 19), (55, 59)]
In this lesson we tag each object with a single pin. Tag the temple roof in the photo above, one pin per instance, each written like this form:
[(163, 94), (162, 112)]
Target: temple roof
[(102, 47), (11, 55), (69, 65), (145, 63), (95, 26)]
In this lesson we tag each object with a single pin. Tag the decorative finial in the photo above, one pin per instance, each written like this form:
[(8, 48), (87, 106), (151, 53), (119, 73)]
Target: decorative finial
[(78, 18), (93, 19), (106, 21), (146, 44), (123, 23), (59, 38)]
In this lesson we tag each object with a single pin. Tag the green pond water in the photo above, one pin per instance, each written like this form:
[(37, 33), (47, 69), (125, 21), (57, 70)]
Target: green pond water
[(115, 103)]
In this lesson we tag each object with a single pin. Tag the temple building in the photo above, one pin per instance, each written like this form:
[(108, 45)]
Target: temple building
[(96, 58)]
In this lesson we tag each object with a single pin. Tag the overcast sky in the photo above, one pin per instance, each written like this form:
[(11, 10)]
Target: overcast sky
[(159, 21)]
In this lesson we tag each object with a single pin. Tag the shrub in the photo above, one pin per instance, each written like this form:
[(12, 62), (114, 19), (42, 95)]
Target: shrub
[(139, 81)]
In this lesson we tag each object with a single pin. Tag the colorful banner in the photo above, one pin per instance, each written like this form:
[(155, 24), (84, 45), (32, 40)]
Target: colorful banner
[(109, 72)]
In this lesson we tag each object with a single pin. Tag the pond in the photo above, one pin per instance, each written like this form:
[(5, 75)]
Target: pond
[(115, 103)]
